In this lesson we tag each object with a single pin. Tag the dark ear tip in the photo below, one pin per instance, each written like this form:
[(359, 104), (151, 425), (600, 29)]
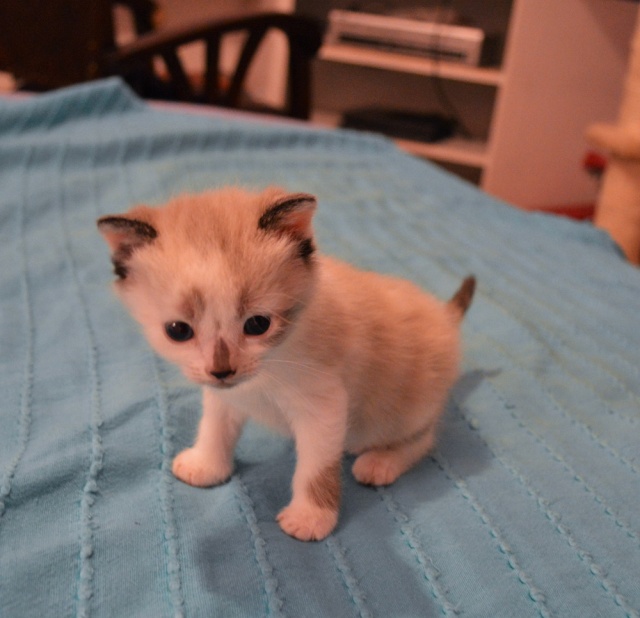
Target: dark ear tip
[(305, 200), (140, 229), (103, 222), (289, 211), (114, 222), (308, 197)]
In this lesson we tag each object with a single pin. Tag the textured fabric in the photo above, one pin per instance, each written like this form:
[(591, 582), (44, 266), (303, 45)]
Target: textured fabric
[(530, 505)]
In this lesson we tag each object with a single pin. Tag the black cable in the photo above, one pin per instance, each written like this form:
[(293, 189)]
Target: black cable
[(437, 80)]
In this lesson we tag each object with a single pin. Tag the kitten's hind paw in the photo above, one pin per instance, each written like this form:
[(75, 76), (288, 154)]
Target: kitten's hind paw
[(377, 468), (307, 522), (193, 467)]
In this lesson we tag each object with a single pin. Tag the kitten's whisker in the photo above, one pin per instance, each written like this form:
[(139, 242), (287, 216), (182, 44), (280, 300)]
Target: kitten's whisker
[(279, 295), (309, 368), (267, 302), (305, 400)]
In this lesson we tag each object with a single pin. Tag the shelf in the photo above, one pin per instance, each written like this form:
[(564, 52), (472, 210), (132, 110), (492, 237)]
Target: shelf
[(457, 150), (360, 56)]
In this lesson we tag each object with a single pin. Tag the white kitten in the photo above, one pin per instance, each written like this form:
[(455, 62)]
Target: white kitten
[(228, 285)]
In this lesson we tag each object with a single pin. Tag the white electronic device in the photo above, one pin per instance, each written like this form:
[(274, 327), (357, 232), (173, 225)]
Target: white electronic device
[(441, 41)]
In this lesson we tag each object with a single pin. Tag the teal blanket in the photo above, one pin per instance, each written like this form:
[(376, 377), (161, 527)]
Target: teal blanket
[(529, 506)]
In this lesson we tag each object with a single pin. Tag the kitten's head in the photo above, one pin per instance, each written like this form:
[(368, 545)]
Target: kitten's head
[(217, 280)]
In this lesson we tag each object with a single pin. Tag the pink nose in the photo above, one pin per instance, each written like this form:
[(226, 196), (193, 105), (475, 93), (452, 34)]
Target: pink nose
[(221, 375)]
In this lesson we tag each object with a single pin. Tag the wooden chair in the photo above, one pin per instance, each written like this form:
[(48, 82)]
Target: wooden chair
[(48, 44)]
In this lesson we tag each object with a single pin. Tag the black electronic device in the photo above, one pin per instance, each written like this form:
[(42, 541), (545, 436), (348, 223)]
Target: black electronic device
[(429, 127)]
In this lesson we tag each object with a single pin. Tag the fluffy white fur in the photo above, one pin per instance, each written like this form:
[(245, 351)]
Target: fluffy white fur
[(351, 361)]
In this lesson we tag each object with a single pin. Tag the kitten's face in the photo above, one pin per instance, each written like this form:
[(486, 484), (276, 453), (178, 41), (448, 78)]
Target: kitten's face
[(217, 280)]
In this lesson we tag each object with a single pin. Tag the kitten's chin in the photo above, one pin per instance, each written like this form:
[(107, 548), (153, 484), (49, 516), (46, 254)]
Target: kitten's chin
[(221, 386)]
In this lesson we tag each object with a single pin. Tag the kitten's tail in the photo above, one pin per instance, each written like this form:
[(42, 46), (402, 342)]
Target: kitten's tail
[(462, 298)]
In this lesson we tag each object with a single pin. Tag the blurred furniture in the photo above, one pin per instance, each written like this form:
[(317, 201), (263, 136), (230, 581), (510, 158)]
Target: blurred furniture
[(618, 206), (562, 68), (55, 43)]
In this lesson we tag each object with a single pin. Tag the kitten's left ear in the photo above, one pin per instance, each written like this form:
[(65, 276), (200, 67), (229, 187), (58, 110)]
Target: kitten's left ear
[(291, 214), (126, 232)]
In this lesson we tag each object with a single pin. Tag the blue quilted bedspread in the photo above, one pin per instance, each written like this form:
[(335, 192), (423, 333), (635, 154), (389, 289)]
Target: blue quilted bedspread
[(529, 506)]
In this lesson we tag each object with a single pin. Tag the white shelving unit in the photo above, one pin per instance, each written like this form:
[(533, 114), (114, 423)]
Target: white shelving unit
[(456, 150), (410, 64), (562, 69)]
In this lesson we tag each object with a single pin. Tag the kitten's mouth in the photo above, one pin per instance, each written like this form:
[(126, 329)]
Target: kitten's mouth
[(215, 383), (223, 384), (227, 383)]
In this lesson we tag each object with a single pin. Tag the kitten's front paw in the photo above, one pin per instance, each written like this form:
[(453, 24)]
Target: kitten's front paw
[(376, 468), (193, 467), (307, 522)]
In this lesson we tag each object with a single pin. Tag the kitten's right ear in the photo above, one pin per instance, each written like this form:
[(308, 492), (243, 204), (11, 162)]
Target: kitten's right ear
[(124, 234), (290, 214)]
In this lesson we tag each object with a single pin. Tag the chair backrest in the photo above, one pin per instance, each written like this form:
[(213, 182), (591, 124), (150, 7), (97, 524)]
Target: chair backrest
[(303, 35), (304, 38), (53, 43)]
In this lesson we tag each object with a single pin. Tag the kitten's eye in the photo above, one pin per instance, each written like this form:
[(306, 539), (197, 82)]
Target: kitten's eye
[(179, 331), (257, 325)]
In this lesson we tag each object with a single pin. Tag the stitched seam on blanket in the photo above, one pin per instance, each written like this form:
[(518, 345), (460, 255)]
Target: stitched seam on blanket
[(594, 568), (90, 489), (24, 413), (627, 462), (534, 593), (173, 571), (165, 483), (460, 236), (111, 94), (170, 538), (272, 597), (407, 531), (350, 582), (555, 403), (584, 556), (500, 234), (514, 361), (515, 300), (573, 474), (537, 262), (200, 148), (446, 235)]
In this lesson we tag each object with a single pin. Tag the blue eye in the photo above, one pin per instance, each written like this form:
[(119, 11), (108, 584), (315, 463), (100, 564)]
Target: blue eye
[(257, 325), (178, 331)]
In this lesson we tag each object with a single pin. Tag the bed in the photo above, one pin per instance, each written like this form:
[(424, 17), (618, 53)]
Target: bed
[(529, 505)]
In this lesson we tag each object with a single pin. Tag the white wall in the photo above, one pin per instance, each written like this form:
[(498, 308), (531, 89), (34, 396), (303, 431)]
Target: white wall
[(564, 70)]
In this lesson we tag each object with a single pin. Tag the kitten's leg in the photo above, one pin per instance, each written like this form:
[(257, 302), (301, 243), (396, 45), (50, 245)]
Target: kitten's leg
[(313, 511), (382, 466), (210, 460)]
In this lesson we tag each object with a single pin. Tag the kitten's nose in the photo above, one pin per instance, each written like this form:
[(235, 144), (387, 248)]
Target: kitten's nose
[(221, 375)]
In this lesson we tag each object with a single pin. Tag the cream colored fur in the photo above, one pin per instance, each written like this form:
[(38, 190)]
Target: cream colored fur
[(352, 361)]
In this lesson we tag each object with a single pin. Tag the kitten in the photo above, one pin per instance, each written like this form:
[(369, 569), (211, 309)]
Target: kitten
[(229, 286)]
